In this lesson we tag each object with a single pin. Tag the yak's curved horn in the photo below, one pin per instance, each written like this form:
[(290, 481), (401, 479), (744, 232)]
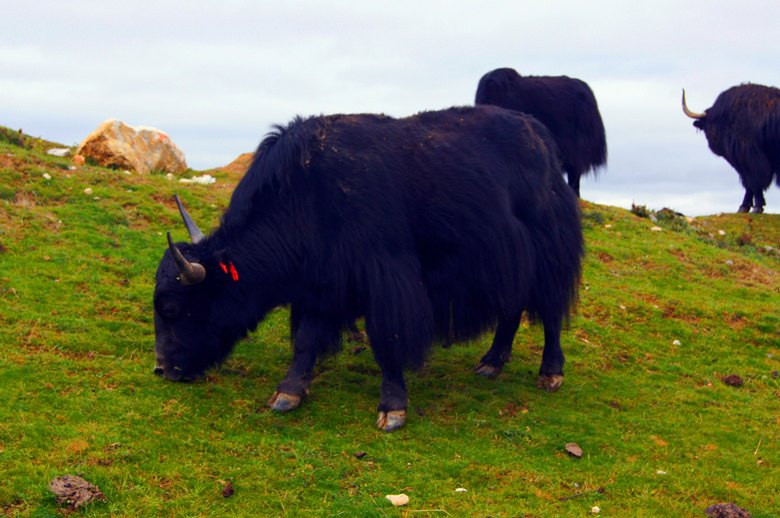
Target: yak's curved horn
[(195, 234), (689, 113), (189, 273)]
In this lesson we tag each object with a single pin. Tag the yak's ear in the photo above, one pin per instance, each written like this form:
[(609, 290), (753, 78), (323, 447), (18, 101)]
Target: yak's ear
[(196, 235)]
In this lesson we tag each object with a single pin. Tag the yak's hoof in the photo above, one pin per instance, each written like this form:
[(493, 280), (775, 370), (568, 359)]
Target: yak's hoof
[(391, 420), (550, 383), (282, 402), (487, 370), (757, 210), (743, 209)]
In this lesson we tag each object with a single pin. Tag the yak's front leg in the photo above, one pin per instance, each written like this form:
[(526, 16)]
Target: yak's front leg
[(551, 371), (393, 398), (393, 401), (311, 335), (399, 322), (747, 201)]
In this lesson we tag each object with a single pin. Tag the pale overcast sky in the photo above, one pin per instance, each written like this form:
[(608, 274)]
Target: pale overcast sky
[(217, 75)]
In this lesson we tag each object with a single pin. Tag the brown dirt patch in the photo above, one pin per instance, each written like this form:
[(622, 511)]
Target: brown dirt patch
[(238, 166), (74, 492)]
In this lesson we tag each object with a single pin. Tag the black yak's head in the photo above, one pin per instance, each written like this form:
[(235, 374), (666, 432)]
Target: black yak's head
[(192, 332)]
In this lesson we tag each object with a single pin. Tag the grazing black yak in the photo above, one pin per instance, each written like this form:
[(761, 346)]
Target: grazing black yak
[(441, 224), (743, 126), (564, 104)]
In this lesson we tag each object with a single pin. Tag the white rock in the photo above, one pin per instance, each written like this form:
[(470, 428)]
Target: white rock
[(660, 472), (88, 190), (656, 229), (730, 262), (46, 176), (398, 500), (206, 179), (461, 490), (595, 509), (676, 342), (58, 151), (721, 232)]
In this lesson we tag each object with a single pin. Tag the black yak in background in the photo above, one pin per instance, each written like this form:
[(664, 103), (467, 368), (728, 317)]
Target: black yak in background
[(443, 224), (743, 126), (564, 104)]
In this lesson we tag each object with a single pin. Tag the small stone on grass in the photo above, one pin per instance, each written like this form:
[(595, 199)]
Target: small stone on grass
[(398, 500), (574, 450)]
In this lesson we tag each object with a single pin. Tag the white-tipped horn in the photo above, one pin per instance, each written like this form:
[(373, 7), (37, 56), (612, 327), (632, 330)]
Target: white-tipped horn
[(689, 113)]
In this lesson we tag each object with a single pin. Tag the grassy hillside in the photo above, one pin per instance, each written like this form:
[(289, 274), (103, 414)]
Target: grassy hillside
[(664, 316)]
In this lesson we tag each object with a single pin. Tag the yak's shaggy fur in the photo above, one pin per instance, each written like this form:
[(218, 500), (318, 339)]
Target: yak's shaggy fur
[(565, 105), (743, 126), (440, 224)]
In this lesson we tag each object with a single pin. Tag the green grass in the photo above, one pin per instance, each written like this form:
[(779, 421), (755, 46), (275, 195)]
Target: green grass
[(663, 316)]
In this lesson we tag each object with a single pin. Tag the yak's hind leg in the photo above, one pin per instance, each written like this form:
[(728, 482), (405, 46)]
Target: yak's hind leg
[(312, 335), (759, 202), (500, 352), (747, 201), (551, 371)]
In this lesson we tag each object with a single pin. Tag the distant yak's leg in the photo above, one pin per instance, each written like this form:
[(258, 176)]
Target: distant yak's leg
[(551, 371), (759, 202), (573, 178), (747, 201), (310, 336), (500, 352)]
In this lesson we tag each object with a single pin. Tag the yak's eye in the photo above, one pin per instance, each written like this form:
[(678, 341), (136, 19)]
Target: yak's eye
[(168, 309)]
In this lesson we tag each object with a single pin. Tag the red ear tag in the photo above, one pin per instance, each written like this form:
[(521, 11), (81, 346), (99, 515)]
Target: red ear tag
[(233, 272), (229, 269)]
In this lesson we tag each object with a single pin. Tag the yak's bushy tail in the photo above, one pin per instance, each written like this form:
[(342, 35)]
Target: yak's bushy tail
[(559, 247)]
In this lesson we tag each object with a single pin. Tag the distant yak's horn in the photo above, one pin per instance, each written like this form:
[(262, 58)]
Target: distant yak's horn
[(195, 234), (189, 273), (689, 113)]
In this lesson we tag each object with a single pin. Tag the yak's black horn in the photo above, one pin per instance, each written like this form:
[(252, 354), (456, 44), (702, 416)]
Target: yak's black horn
[(689, 113), (195, 234), (189, 273)]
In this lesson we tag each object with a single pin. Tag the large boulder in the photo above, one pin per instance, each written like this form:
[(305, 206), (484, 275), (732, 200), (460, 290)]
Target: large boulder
[(138, 148)]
